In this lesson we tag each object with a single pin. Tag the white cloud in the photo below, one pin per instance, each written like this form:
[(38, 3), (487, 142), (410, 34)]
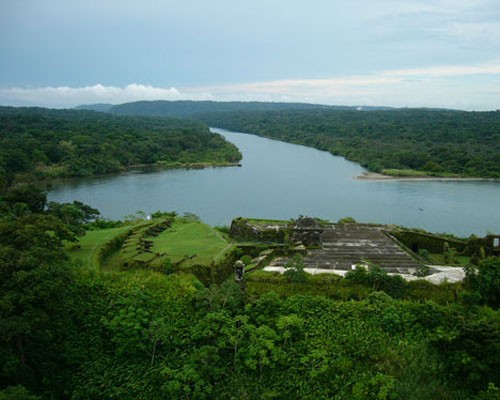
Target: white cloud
[(63, 96), (470, 87), (449, 86), (491, 68)]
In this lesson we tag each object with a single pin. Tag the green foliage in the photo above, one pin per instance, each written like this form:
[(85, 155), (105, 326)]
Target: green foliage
[(378, 387), (469, 347), (29, 195), (295, 270), (358, 286), (35, 286), (492, 393), (150, 336), (69, 333), (188, 109), (223, 229), (347, 220), (485, 281), (424, 253), (74, 215), (17, 393), (246, 259), (450, 255), (378, 278)]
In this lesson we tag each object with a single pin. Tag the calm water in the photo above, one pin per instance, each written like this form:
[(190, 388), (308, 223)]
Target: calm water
[(281, 180)]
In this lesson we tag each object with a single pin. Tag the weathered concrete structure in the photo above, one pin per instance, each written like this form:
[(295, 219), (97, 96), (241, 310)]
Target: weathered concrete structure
[(307, 231), (345, 245), (264, 231)]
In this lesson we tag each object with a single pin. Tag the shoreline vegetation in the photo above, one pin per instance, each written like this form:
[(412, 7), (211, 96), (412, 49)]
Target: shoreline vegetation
[(417, 176), (199, 165), (55, 181)]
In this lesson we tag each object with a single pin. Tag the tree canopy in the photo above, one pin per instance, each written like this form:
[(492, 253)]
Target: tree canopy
[(48, 143)]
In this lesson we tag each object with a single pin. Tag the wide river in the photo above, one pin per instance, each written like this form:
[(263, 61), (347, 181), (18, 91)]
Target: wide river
[(282, 181)]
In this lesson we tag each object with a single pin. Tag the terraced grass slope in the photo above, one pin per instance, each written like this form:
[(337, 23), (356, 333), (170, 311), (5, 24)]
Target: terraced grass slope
[(165, 244), (89, 247), (190, 243)]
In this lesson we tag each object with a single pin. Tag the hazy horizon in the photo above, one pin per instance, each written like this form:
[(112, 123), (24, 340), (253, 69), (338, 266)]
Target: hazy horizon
[(414, 53)]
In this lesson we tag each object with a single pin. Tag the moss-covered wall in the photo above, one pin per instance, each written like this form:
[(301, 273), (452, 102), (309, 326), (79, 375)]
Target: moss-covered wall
[(215, 272), (474, 246), (244, 230), (435, 244)]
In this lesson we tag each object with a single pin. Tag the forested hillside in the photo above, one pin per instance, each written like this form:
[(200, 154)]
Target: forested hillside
[(186, 109), (101, 107), (52, 143), (435, 142)]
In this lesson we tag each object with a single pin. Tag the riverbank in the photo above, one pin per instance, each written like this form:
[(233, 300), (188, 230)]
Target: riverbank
[(375, 176), (200, 165), (51, 182)]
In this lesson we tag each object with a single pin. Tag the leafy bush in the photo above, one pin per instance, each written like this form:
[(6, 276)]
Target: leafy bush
[(485, 281), (295, 270)]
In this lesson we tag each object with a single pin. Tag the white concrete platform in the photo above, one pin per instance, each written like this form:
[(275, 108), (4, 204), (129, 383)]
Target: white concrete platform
[(444, 273)]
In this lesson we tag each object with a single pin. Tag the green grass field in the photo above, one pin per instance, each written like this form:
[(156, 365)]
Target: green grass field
[(438, 258), (87, 248), (194, 240), (191, 241)]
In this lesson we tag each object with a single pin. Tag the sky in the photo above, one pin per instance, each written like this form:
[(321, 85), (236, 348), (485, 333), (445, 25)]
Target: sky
[(400, 53)]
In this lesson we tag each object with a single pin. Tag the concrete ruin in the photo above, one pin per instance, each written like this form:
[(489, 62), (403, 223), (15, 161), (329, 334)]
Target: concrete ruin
[(307, 231), (340, 247), (344, 245)]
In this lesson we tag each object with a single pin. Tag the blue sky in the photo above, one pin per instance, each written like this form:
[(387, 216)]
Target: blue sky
[(442, 53)]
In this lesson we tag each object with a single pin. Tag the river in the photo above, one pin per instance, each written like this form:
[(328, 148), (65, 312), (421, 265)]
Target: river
[(281, 181)]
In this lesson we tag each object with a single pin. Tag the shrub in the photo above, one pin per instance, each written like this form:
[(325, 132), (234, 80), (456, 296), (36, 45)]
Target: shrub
[(295, 270)]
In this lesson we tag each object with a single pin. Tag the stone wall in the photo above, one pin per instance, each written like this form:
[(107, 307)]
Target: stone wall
[(416, 241), (244, 230), (307, 231)]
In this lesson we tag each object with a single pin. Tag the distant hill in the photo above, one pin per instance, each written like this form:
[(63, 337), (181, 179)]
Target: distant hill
[(101, 107), (186, 108)]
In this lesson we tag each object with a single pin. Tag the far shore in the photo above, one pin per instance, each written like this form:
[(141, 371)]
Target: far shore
[(200, 165), (49, 182), (375, 176)]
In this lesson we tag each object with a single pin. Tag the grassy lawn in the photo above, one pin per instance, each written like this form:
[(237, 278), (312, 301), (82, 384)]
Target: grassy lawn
[(87, 248), (194, 239), (438, 259)]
